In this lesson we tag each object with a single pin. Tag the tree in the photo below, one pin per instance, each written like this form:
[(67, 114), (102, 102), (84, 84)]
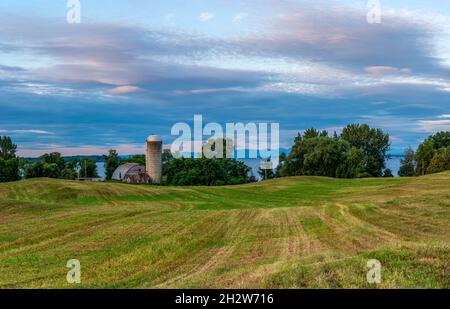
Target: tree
[(388, 173), (407, 164), (139, 159), (425, 152), (51, 170), (440, 161), (9, 163), (314, 154), (7, 148), (204, 171), (51, 165), (323, 156), (441, 139), (265, 170), (281, 162), (88, 168), (54, 158), (68, 173), (112, 162), (9, 170), (373, 142), (166, 157), (352, 165)]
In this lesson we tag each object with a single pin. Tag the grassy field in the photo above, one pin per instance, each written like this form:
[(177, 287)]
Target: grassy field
[(287, 233)]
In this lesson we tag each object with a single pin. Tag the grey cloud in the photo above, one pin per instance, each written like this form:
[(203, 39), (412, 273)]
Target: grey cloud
[(341, 37), (120, 55)]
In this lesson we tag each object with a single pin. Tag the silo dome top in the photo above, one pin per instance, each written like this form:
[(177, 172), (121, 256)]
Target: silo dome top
[(154, 138)]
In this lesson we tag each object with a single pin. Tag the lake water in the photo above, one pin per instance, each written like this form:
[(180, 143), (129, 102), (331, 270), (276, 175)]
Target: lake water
[(393, 164)]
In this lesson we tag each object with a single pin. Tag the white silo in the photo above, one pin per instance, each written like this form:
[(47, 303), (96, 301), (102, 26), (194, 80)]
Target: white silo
[(153, 159)]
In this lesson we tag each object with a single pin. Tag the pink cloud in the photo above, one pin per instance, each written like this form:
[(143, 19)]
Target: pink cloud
[(124, 90), (386, 70)]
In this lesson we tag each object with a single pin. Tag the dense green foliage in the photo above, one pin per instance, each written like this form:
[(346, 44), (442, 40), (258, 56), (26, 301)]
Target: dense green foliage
[(359, 151), (88, 168), (388, 173), (112, 162), (407, 164), (373, 142), (432, 156), (204, 171), (51, 165), (139, 159), (9, 163)]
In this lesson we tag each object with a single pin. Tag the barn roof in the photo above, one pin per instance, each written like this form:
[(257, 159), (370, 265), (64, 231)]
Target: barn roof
[(123, 169)]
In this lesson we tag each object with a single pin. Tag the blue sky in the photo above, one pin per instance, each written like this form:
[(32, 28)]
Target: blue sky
[(137, 67)]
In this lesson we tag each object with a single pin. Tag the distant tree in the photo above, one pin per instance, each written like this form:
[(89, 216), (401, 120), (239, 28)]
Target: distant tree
[(204, 171), (314, 154), (282, 161), (111, 163), (88, 168), (9, 170), (388, 173), (428, 149), (374, 143), (441, 139), (51, 165), (9, 163), (407, 164), (139, 159), (425, 152), (323, 155), (51, 170), (7, 148), (68, 173), (54, 158), (313, 133), (166, 157), (352, 164), (34, 170), (265, 170), (440, 161)]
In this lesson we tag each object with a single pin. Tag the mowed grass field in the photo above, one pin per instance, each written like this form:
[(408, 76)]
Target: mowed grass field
[(299, 232)]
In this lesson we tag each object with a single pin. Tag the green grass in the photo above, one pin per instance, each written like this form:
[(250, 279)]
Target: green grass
[(286, 233)]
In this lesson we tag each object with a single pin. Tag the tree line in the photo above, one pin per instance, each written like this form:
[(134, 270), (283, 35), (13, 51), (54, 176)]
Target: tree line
[(359, 151), (51, 165), (432, 156)]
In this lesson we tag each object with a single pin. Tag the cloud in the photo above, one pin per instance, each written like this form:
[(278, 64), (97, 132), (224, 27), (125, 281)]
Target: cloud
[(239, 17), (25, 132), (206, 16), (11, 68), (293, 68), (340, 36), (125, 90), (39, 150), (433, 126), (386, 70), (169, 17)]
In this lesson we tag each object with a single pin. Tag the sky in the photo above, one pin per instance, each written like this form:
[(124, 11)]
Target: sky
[(132, 68)]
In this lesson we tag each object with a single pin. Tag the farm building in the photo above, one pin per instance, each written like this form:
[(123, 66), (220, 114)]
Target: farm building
[(151, 172), (131, 173)]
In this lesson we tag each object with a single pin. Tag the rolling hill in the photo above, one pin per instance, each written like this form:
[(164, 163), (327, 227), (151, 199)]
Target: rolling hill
[(285, 233)]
